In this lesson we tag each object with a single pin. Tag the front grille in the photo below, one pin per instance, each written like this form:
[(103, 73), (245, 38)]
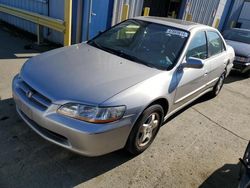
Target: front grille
[(34, 96)]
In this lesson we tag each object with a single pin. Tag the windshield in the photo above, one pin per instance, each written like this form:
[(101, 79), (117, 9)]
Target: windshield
[(237, 35), (148, 43)]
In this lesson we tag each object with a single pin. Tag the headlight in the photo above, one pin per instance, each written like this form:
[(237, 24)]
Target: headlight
[(92, 114)]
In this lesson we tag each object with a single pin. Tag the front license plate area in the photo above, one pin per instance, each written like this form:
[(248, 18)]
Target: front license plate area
[(25, 109)]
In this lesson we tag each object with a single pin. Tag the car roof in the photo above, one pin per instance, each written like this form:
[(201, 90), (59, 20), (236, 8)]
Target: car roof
[(178, 23)]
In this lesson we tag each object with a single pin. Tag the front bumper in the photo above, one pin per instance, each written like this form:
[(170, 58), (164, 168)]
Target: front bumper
[(85, 138), (242, 67)]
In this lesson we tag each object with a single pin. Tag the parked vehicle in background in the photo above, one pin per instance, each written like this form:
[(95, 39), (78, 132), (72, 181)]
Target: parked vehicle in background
[(245, 169), (117, 89), (239, 39)]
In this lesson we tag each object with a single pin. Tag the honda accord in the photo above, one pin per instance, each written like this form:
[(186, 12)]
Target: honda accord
[(116, 90)]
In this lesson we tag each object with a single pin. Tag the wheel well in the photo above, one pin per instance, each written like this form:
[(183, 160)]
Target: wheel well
[(163, 102)]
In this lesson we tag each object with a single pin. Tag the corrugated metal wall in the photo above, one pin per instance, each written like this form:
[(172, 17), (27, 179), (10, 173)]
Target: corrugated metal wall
[(45, 7), (201, 11), (135, 9), (56, 11), (40, 7)]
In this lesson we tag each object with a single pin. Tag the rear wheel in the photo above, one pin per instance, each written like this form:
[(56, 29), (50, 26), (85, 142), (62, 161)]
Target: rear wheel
[(217, 88), (145, 130)]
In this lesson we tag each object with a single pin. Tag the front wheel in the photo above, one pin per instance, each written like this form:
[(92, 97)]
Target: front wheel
[(145, 130), (217, 88)]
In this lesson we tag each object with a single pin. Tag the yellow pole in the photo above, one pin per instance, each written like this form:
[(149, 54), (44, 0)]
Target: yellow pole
[(232, 25), (67, 21), (146, 11), (173, 14), (217, 22), (125, 10), (189, 17)]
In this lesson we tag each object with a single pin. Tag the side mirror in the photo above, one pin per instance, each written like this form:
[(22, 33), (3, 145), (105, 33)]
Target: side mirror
[(194, 63)]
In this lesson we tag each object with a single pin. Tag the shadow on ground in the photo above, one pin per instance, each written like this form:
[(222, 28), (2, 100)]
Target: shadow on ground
[(27, 160), (234, 76), (225, 177)]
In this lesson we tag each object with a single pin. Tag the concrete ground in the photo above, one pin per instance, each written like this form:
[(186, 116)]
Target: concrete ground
[(199, 147)]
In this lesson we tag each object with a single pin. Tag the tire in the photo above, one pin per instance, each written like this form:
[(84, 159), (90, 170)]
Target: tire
[(145, 130), (218, 86)]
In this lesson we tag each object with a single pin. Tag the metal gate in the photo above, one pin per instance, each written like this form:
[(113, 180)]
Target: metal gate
[(201, 11)]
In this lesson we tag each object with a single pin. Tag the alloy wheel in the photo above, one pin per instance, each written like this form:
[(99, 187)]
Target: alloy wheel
[(147, 130)]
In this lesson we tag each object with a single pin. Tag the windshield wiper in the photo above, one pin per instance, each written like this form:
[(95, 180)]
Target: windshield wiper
[(136, 59), (103, 47), (95, 44), (133, 58)]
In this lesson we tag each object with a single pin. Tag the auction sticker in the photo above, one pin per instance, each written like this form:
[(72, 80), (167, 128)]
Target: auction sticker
[(177, 32)]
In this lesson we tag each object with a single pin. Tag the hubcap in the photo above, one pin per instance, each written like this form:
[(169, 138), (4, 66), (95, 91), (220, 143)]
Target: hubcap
[(147, 130), (220, 84)]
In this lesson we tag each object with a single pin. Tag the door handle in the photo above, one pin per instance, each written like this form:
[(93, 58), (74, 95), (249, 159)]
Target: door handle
[(93, 14)]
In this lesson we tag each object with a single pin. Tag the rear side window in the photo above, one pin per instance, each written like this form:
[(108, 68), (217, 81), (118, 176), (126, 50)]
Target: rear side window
[(215, 43), (198, 46)]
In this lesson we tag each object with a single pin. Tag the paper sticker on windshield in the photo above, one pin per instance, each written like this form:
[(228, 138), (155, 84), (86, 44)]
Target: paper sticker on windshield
[(177, 32)]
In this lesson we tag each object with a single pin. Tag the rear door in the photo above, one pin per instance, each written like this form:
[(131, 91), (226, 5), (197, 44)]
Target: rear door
[(217, 56), (192, 81)]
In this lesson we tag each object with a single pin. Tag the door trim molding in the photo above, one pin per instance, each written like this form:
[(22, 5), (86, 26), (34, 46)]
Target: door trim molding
[(187, 103), (196, 91)]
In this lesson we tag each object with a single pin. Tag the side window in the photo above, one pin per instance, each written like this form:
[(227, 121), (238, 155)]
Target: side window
[(215, 43), (198, 46)]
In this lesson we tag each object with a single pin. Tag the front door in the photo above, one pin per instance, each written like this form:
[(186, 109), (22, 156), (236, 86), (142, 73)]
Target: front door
[(192, 82)]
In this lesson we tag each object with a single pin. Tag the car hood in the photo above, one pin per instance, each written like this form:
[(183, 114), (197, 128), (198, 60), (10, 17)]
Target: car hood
[(240, 48), (82, 73)]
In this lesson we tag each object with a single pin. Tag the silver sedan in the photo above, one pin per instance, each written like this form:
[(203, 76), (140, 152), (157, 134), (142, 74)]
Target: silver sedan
[(116, 90)]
